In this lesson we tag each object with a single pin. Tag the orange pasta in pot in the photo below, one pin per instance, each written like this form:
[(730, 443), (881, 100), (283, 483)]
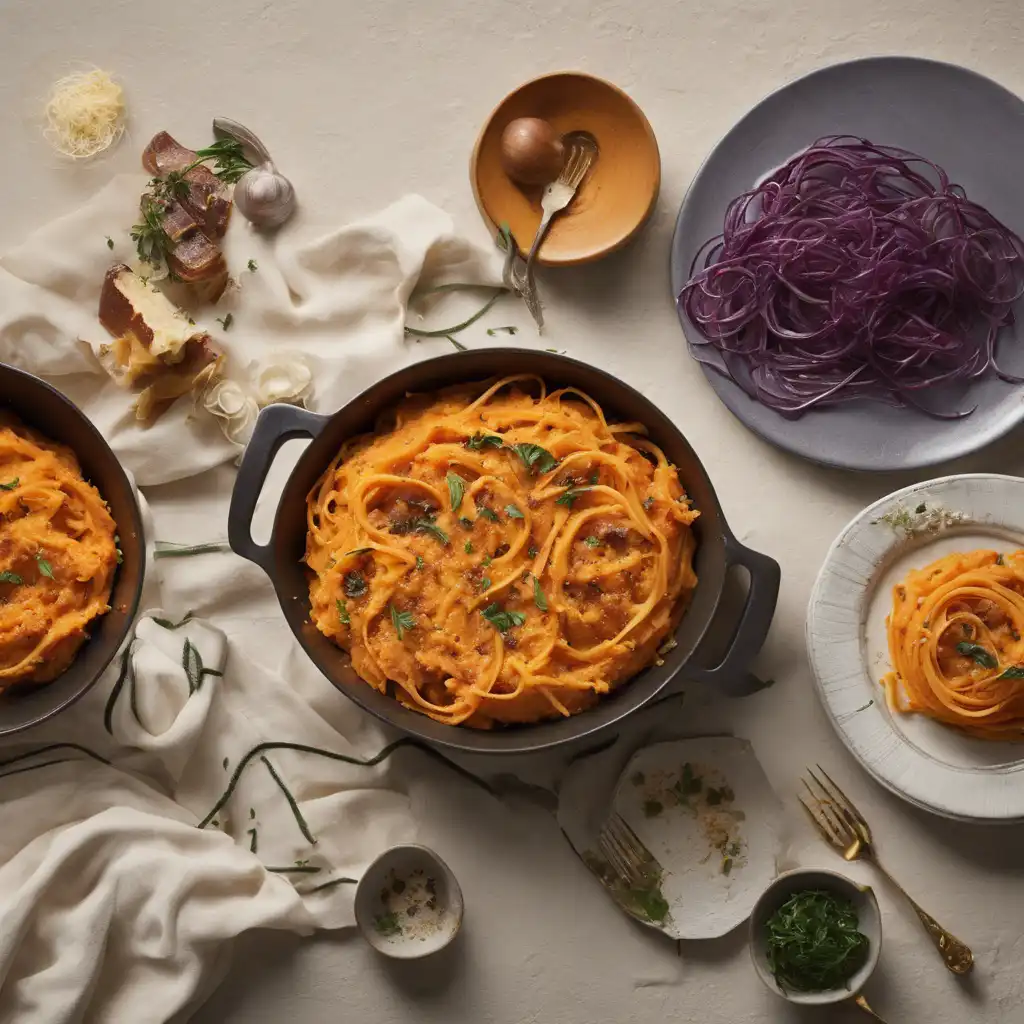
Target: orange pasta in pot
[(58, 556), (956, 641), (500, 557)]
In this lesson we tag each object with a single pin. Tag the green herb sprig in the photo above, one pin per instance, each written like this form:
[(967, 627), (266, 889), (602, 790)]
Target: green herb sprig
[(812, 942), (981, 656)]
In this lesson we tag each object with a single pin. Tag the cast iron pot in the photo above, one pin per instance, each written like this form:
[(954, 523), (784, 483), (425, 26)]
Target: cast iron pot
[(44, 408), (281, 559)]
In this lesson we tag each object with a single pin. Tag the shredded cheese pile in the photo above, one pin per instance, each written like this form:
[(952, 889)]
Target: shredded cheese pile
[(85, 114)]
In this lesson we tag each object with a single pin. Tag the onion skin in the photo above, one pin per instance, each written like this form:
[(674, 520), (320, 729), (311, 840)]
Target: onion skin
[(532, 152)]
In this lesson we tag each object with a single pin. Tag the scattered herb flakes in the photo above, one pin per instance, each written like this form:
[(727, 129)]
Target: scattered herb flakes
[(11, 485), (513, 513), (1014, 672), (402, 621), (501, 619), (110, 242), (538, 596), (419, 562), (252, 813), (532, 551), (10, 577), (251, 833), (980, 655), (486, 561), (354, 584), (492, 331), (652, 808), (343, 615), (45, 569), (648, 504), (487, 513), (485, 583), (456, 489), (459, 347), (468, 547), (535, 458), (252, 266), (921, 509), (591, 541), (480, 441), (426, 524), (226, 321), (1000, 560), (225, 763), (387, 925)]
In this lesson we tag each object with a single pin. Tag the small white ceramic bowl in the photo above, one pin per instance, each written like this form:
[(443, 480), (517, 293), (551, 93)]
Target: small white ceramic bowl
[(408, 903), (869, 922)]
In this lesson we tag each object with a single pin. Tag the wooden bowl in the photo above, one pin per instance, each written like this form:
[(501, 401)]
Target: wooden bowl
[(617, 195)]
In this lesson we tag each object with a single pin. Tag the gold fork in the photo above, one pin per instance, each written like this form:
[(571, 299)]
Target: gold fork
[(625, 852), (842, 825)]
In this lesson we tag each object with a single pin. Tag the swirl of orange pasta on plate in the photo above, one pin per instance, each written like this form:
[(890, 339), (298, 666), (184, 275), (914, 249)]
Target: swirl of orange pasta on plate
[(956, 641), (500, 557)]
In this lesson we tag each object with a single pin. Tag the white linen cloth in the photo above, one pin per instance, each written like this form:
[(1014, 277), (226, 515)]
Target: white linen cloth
[(115, 906)]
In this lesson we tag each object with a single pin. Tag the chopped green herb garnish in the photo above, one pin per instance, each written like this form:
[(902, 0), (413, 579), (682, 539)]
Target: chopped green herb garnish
[(532, 551), (812, 942), (45, 568), (569, 496), (466, 522), (456, 344), (595, 478), (535, 458), (10, 486), (387, 925), (591, 541), (229, 158), (488, 513), (342, 612), (485, 583), (354, 584), (538, 596), (402, 621), (110, 242), (1015, 672), (513, 513), (1000, 560), (921, 508), (648, 504), (652, 808), (226, 321), (981, 656), (479, 441), (252, 266), (468, 547), (456, 489), (487, 561), (502, 620), (492, 331), (419, 562), (426, 524), (10, 577)]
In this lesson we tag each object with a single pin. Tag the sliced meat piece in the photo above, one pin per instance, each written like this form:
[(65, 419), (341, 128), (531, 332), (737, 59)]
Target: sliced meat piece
[(208, 199)]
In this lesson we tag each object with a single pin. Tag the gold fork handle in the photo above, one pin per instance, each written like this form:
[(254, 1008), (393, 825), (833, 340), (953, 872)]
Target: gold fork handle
[(863, 1004), (956, 955)]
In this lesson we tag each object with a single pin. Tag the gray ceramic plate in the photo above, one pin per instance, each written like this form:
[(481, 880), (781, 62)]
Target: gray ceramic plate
[(962, 121)]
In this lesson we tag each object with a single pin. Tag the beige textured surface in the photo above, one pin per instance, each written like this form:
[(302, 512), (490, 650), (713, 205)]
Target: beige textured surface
[(364, 102)]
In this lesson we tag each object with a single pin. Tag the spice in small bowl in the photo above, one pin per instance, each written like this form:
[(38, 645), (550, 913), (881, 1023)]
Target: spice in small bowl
[(815, 936), (408, 903)]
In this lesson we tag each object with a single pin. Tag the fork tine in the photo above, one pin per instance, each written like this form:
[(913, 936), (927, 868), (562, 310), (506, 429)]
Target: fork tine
[(827, 809), (845, 800), (838, 803), (826, 832), (613, 857), (569, 168), (836, 830)]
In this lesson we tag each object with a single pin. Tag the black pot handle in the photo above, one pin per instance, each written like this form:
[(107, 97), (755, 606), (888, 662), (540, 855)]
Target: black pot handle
[(731, 674), (276, 424)]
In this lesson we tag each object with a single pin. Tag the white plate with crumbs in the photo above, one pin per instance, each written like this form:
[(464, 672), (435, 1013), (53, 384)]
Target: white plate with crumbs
[(408, 903), (933, 765), (705, 809)]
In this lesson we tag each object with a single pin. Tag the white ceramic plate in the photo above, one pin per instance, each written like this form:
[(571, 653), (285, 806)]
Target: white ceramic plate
[(928, 763), (709, 826)]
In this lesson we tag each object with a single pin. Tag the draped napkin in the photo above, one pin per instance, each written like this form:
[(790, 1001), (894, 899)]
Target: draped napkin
[(212, 781)]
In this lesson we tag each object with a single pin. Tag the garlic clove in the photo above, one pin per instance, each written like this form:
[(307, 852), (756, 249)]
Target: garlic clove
[(265, 197)]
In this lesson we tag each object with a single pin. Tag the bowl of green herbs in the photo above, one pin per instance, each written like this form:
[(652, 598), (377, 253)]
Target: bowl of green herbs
[(815, 936)]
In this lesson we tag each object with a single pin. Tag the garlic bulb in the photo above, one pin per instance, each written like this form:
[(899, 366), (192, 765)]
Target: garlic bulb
[(265, 197)]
